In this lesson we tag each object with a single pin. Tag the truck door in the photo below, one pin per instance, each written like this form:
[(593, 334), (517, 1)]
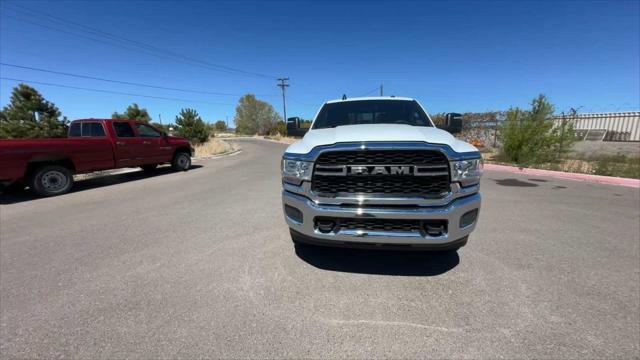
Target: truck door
[(129, 148), (155, 148)]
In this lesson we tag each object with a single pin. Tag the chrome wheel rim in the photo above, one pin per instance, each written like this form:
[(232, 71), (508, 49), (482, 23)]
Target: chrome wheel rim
[(54, 181)]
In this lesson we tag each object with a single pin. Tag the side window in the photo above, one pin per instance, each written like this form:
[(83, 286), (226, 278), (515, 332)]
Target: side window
[(147, 131), (92, 129), (123, 129), (74, 130)]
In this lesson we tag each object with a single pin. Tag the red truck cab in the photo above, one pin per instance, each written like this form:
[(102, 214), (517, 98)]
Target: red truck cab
[(47, 166)]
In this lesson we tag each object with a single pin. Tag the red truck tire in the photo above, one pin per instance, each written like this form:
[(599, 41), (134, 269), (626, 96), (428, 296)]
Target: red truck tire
[(51, 180), (181, 161)]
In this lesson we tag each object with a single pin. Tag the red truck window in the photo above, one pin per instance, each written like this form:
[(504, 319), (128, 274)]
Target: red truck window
[(75, 130), (147, 131), (86, 129), (123, 129)]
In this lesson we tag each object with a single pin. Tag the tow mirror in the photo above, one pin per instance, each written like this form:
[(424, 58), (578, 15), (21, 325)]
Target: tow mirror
[(293, 127), (452, 123)]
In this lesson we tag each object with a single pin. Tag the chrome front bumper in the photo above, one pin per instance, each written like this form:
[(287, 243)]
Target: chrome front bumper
[(452, 212)]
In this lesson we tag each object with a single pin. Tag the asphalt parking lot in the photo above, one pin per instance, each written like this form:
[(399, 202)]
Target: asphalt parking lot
[(200, 264)]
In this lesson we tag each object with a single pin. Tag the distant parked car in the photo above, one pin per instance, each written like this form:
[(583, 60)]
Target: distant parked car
[(47, 166)]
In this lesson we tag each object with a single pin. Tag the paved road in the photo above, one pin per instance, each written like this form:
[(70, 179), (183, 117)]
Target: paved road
[(201, 264)]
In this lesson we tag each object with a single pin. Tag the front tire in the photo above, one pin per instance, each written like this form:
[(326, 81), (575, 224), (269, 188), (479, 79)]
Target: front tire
[(52, 180), (181, 161)]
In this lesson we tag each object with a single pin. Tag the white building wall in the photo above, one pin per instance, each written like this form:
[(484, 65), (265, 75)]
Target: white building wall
[(623, 122)]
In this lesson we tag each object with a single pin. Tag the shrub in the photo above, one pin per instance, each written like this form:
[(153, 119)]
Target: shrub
[(617, 165), (220, 126), (190, 125), (529, 136), (278, 128)]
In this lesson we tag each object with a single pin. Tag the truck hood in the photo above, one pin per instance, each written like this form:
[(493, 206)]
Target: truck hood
[(378, 133)]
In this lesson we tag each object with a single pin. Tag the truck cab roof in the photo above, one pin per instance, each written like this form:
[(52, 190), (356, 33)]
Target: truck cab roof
[(105, 120), (371, 98)]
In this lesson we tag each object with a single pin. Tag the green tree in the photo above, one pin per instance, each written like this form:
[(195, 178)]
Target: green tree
[(190, 125), (254, 116), (220, 126), (529, 136), (29, 115), (280, 128), (133, 112)]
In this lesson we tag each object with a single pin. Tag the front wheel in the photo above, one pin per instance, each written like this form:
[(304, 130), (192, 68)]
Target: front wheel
[(51, 180), (181, 162)]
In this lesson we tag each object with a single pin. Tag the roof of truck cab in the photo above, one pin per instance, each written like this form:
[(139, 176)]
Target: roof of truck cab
[(371, 98), (92, 119)]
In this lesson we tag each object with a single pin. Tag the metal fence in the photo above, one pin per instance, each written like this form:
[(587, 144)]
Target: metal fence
[(481, 132), (620, 126)]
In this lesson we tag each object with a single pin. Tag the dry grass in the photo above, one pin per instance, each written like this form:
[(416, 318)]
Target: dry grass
[(225, 135), (213, 147), (282, 139)]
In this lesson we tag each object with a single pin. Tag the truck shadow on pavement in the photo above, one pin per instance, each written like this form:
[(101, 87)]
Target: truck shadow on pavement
[(379, 262), (16, 196)]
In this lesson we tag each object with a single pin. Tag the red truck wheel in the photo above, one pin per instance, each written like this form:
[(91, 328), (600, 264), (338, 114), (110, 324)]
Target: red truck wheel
[(51, 180), (181, 161)]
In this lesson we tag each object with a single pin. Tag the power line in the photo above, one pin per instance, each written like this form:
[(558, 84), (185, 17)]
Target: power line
[(114, 37), (119, 45), (87, 37), (113, 92), (98, 32), (121, 81)]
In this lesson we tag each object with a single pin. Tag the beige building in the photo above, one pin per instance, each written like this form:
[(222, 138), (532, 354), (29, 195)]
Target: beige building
[(618, 126)]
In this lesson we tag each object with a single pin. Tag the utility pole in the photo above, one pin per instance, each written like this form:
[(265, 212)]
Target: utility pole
[(283, 85), (381, 90), (160, 118), (564, 121)]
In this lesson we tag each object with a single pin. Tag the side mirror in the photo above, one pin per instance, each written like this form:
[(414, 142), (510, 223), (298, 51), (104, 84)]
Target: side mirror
[(293, 127), (452, 124)]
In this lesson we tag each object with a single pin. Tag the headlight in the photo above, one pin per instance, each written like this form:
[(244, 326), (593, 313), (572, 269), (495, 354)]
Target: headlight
[(295, 171), (466, 171)]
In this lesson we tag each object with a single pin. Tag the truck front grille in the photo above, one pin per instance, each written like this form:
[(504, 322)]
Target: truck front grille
[(433, 182), (380, 225), (424, 227)]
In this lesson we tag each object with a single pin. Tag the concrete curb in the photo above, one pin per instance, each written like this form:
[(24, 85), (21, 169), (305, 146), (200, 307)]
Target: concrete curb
[(230, 153), (599, 179)]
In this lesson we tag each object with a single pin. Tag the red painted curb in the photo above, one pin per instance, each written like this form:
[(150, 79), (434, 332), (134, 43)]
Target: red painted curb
[(610, 180)]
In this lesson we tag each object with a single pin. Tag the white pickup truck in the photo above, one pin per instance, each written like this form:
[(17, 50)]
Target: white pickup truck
[(375, 172)]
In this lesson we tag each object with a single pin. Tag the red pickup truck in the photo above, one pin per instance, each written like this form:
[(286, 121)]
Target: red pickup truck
[(47, 165)]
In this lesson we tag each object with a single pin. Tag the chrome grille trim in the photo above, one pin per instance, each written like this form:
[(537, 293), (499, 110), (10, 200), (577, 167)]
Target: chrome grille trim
[(371, 172)]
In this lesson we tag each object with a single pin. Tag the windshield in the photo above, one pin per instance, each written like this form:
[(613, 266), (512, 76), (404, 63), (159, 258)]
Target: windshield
[(405, 112)]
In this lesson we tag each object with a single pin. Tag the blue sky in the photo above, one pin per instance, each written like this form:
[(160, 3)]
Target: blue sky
[(452, 56)]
